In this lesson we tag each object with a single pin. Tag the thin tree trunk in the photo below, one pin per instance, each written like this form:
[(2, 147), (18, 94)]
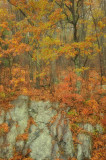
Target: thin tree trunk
[(53, 75), (31, 70), (75, 33), (100, 54), (38, 72)]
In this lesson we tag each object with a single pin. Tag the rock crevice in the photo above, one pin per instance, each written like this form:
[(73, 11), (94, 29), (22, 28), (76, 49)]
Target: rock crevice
[(46, 141)]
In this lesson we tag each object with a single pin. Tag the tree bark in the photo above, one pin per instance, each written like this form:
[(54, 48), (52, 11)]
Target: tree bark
[(38, 71)]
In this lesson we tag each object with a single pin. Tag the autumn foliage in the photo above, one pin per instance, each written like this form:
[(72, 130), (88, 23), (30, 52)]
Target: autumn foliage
[(54, 50)]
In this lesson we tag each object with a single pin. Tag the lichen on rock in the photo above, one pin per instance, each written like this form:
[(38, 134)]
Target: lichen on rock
[(46, 140)]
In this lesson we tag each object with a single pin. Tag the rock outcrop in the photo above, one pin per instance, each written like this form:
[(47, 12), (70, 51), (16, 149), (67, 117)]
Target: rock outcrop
[(46, 140)]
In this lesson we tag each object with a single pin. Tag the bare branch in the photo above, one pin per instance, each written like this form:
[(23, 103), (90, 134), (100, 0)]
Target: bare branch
[(85, 61), (69, 8), (23, 13)]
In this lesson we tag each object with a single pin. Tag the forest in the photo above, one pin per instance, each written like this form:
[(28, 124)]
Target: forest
[(55, 50)]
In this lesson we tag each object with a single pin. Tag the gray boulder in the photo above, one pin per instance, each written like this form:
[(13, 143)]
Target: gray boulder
[(46, 140)]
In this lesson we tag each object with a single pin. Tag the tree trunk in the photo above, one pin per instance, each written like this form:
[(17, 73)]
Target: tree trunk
[(76, 62), (75, 33), (38, 72), (53, 75), (31, 70)]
